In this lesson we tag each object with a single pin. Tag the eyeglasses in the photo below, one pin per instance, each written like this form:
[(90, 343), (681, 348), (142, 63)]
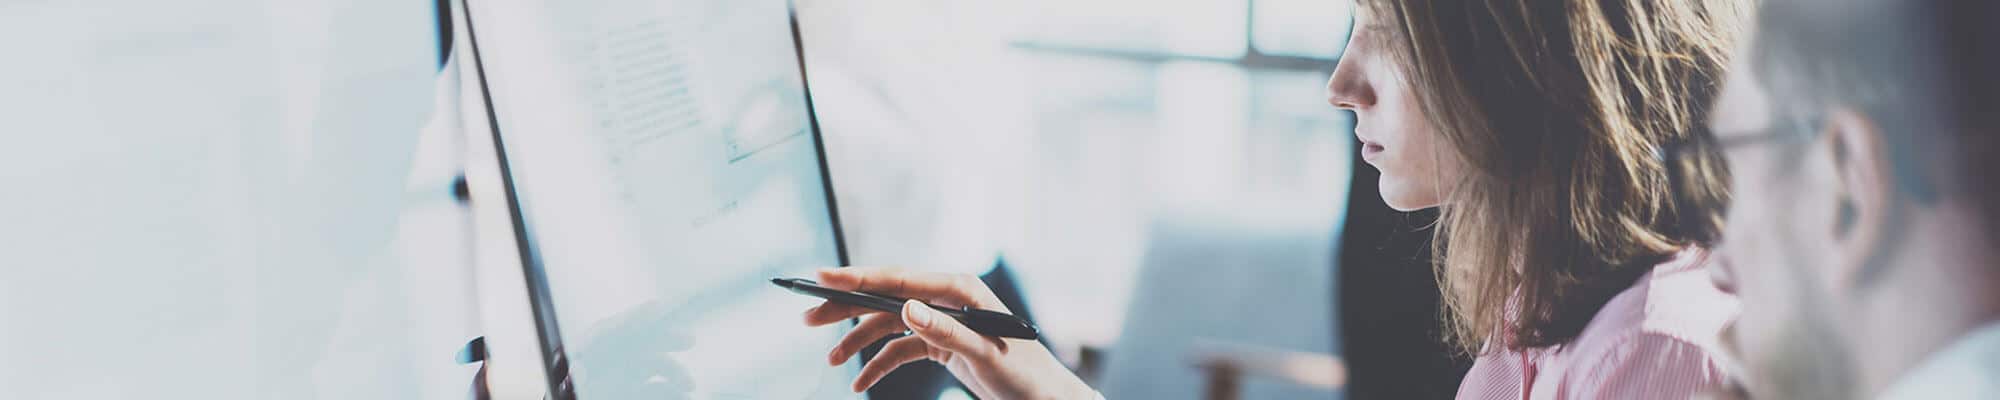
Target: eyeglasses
[(1682, 154), (1679, 152), (1684, 158)]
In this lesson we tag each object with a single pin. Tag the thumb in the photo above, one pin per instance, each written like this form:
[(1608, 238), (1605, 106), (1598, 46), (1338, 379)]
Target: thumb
[(944, 332)]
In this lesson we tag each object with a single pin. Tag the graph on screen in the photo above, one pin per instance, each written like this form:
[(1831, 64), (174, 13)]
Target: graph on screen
[(663, 156)]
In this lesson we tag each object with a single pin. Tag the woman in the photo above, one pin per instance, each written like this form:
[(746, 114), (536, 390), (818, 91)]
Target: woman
[(1571, 255)]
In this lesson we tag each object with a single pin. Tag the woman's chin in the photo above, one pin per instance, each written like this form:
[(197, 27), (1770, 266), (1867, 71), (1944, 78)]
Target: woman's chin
[(1407, 206), (1401, 196)]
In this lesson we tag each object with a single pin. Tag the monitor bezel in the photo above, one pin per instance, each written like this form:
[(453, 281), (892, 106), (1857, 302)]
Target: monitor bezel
[(554, 360)]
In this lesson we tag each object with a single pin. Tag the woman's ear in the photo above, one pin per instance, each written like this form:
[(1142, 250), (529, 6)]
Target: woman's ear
[(1865, 201)]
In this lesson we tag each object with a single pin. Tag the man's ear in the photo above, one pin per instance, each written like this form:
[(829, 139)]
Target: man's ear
[(1865, 203)]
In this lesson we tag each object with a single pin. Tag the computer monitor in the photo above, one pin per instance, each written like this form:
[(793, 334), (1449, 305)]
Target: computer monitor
[(662, 162)]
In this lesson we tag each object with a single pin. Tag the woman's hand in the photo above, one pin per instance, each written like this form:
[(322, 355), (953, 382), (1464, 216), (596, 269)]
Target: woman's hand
[(994, 368)]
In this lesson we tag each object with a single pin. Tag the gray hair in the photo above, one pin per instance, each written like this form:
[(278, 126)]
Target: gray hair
[(1923, 70)]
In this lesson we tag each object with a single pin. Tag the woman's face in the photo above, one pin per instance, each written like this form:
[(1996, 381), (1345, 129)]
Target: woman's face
[(1396, 137)]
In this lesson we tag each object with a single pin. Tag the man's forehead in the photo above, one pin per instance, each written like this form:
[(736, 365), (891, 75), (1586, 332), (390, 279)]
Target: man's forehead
[(1743, 104)]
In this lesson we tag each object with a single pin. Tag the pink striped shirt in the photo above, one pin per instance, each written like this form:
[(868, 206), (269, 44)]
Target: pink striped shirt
[(1655, 340)]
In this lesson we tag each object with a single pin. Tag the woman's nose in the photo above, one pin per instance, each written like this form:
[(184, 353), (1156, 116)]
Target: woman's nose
[(1347, 89)]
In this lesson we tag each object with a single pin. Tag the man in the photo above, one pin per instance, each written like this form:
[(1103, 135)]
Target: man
[(1863, 239)]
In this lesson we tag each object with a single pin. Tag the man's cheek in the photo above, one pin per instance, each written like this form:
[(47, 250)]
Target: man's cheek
[(1760, 340), (1768, 305)]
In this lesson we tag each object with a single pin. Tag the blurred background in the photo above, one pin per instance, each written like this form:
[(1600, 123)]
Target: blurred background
[(1163, 189), (1158, 181)]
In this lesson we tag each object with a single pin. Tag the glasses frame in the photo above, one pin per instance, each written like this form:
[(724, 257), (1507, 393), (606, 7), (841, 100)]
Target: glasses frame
[(1676, 155)]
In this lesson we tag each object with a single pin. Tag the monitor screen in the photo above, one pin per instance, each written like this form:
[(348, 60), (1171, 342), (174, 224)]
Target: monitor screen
[(666, 166)]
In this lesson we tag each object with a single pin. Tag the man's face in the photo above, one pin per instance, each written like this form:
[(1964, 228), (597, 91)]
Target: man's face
[(1785, 338)]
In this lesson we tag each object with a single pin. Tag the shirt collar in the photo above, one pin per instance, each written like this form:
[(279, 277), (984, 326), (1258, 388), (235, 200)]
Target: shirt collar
[(1967, 369)]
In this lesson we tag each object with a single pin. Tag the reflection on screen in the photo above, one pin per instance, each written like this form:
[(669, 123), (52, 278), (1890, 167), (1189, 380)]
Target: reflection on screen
[(665, 165)]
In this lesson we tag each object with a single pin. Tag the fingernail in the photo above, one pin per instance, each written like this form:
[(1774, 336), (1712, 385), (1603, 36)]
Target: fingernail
[(833, 357), (920, 314)]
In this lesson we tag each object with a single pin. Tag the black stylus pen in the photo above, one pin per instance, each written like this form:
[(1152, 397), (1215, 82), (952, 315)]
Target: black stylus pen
[(986, 322)]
